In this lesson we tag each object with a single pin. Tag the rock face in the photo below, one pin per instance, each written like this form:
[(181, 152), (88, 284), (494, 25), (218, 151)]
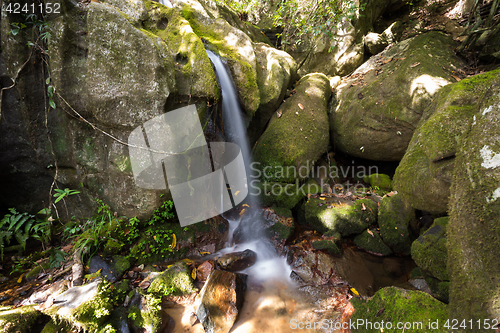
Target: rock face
[(370, 240), (376, 121), (118, 64), (297, 134), (220, 300), (111, 268), (424, 176), (473, 231)]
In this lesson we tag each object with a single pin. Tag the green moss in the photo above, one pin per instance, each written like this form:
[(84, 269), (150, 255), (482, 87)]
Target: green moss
[(176, 280), (297, 134), (36, 270), (340, 215), (22, 319), (372, 242), (326, 245), (281, 194), (136, 316), (52, 327), (440, 289), (120, 264), (397, 305), (92, 314), (112, 247), (283, 229), (394, 220), (379, 180), (429, 250)]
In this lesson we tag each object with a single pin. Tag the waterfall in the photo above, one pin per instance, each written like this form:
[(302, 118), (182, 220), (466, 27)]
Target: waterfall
[(268, 264)]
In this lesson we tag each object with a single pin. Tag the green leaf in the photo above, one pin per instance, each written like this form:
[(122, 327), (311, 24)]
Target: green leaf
[(52, 104), (47, 81)]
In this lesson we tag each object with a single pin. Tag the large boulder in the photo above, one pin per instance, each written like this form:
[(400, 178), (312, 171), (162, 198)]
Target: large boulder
[(381, 104), (474, 230), (424, 175), (297, 134), (415, 310)]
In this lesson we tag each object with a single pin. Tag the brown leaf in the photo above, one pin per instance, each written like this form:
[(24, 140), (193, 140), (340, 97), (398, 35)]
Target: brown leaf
[(370, 232), (414, 65), (360, 96), (363, 205), (144, 284), (301, 106), (456, 78), (279, 113)]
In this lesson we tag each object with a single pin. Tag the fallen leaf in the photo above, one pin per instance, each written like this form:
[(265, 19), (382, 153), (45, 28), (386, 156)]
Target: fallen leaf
[(360, 96), (381, 310), (322, 198), (236, 193), (20, 278), (193, 273), (204, 252), (370, 232), (279, 113), (301, 106), (430, 55), (363, 205), (414, 65), (456, 78), (245, 205), (354, 291), (144, 284), (174, 241)]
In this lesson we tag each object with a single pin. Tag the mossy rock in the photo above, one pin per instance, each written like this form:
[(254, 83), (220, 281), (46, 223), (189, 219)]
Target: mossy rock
[(378, 109), (53, 327), (237, 51), (395, 305), (372, 243), (22, 319), (337, 214), (297, 134), (440, 289), (112, 247), (278, 223), (394, 219), (424, 175), (327, 245), (429, 250), (379, 180), (36, 270), (175, 280), (473, 232)]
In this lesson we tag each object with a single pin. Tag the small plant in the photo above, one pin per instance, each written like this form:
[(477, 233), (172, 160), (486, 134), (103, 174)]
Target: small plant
[(61, 194), (17, 225)]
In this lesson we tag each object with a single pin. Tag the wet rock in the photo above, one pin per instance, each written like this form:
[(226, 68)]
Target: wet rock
[(429, 250), (237, 261), (394, 220), (338, 214), (204, 270), (311, 266), (278, 224), (370, 241), (379, 180), (111, 268), (392, 304), (220, 300)]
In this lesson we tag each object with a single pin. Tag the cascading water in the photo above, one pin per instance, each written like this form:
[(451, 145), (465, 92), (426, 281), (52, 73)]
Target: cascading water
[(268, 264)]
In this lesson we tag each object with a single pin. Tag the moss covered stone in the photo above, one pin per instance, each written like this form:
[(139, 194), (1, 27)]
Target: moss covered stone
[(23, 319), (278, 224), (473, 232), (379, 180), (297, 134), (429, 250), (337, 214), (396, 305), (394, 218), (382, 102), (175, 280), (424, 175), (372, 242), (281, 194), (53, 327), (326, 245), (112, 247)]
